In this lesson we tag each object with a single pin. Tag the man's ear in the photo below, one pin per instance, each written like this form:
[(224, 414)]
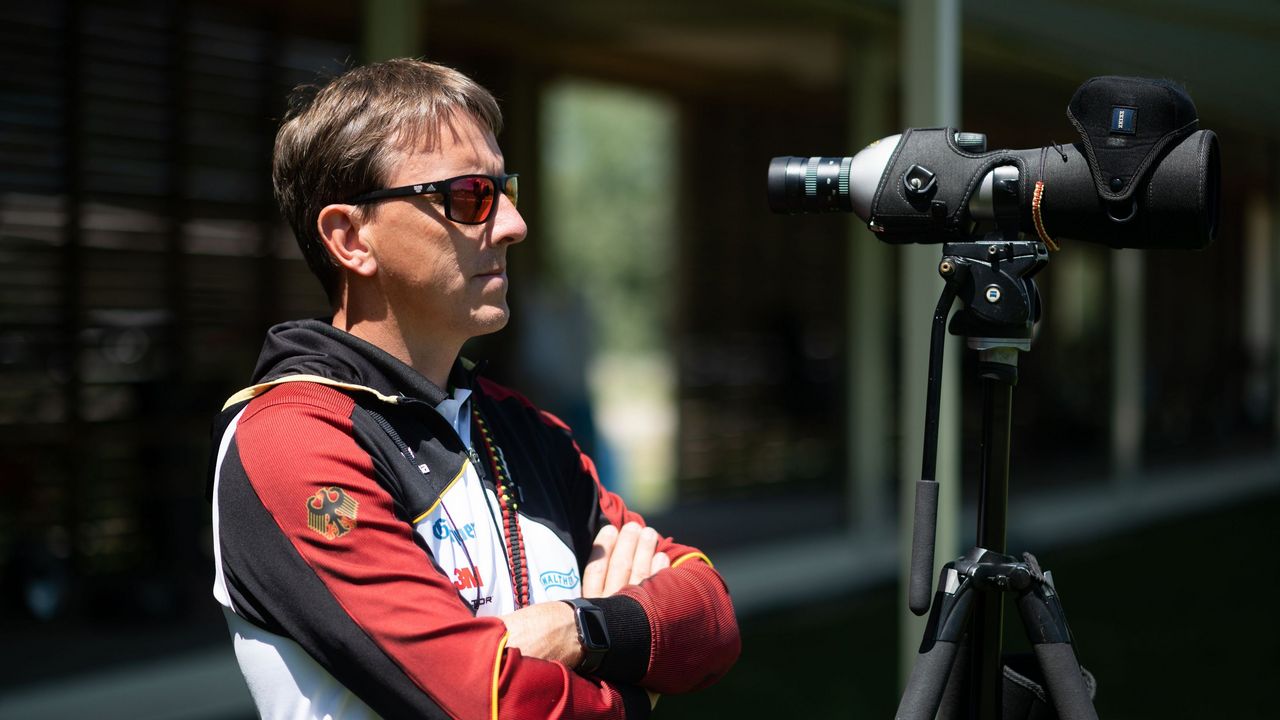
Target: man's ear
[(340, 227)]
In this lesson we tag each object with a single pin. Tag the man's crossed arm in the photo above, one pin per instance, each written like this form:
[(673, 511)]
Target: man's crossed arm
[(618, 558)]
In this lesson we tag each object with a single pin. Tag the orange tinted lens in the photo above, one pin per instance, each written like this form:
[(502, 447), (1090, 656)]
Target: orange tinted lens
[(512, 189), (470, 199)]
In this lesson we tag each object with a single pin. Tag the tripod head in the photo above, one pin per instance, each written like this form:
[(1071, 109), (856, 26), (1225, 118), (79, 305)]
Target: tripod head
[(1000, 304), (999, 307)]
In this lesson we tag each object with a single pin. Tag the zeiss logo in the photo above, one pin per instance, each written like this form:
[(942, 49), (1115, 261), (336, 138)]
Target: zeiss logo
[(1124, 119), (442, 531), (553, 579)]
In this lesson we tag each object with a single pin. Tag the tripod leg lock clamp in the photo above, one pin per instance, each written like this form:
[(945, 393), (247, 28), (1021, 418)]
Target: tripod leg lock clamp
[(1034, 566)]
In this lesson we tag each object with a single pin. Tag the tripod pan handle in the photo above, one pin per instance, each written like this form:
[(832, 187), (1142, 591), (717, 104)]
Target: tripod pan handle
[(920, 589)]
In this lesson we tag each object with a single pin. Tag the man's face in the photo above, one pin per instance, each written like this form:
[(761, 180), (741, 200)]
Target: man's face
[(444, 280)]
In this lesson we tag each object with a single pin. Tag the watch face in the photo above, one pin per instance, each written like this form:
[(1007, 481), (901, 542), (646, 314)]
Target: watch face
[(595, 636)]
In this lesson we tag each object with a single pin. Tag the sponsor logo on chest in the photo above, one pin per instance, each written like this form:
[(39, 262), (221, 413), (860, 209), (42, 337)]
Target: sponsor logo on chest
[(555, 579), (465, 578), (441, 530)]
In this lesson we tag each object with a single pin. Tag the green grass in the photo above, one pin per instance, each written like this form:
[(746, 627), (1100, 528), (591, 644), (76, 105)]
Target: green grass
[(1175, 621)]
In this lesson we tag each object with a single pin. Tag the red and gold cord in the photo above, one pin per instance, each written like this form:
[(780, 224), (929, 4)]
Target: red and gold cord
[(510, 519), (1036, 199)]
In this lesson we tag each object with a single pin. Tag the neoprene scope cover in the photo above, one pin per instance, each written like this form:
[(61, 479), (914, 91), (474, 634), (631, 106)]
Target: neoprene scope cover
[(1126, 125)]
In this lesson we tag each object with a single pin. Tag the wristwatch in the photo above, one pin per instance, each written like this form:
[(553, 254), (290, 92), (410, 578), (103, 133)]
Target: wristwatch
[(593, 633)]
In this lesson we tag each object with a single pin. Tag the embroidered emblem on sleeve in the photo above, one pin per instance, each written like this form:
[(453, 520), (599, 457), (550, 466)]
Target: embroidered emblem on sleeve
[(331, 512)]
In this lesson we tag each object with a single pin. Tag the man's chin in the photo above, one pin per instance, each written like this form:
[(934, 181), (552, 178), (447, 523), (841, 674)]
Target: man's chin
[(490, 320)]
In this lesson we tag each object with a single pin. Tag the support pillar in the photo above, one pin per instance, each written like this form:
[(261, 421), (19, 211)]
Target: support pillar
[(1261, 275), (930, 56), (1128, 275), (870, 439)]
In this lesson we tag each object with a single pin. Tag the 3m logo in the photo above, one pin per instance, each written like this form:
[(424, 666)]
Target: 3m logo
[(331, 512), (1124, 119), (466, 578)]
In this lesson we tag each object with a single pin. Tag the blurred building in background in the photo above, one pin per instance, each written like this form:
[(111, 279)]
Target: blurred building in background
[(710, 352)]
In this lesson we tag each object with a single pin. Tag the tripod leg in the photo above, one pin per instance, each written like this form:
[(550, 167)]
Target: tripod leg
[(1066, 685), (942, 636), (923, 695), (1046, 626), (956, 695)]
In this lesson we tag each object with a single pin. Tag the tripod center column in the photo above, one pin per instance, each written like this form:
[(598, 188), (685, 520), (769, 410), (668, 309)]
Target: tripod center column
[(998, 368)]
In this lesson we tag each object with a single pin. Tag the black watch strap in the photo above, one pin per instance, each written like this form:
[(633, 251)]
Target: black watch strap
[(593, 634)]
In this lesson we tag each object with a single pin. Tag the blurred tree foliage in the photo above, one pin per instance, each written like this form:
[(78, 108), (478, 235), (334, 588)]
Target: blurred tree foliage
[(610, 196)]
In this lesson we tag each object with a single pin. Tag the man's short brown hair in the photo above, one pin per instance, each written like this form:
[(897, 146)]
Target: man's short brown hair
[(339, 140)]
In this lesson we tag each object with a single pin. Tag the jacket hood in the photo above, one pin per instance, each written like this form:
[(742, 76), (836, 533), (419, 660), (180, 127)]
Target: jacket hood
[(314, 347)]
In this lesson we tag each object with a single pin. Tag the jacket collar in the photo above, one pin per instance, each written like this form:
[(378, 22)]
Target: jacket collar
[(316, 348)]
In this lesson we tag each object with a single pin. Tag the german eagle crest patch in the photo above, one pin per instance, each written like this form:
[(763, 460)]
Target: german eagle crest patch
[(331, 512)]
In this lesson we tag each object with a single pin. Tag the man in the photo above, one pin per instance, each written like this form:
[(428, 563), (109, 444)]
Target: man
[(394, 534)]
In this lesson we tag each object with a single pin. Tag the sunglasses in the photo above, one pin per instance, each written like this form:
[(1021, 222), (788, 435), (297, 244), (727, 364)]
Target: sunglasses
[(468, 199)]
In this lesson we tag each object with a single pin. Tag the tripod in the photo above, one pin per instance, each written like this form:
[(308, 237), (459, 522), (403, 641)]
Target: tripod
[(959, 670)]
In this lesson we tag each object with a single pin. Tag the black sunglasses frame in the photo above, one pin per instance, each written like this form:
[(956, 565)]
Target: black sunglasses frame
[(441, 187)]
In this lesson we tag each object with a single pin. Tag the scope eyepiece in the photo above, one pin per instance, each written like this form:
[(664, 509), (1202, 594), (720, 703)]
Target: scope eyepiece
[(830, 184), (809, 185)]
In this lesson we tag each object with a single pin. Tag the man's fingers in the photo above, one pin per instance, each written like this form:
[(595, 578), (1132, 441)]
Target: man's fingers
[(660, 562), (621, 557), (593, 575), (641, 564), (621, 560)]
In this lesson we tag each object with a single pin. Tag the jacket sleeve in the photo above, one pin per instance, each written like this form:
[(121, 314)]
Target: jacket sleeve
[(312, 548), (674, 632)]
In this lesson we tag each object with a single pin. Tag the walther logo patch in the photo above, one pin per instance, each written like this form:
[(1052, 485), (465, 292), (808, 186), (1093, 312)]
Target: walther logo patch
[(1124, 119), (331, 512), (554, 579)]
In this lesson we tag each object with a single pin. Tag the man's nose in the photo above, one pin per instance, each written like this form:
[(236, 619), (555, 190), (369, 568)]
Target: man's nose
[(508, 226)]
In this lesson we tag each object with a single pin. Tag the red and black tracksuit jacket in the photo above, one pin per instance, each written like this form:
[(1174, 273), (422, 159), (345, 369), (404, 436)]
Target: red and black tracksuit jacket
[(363, 594)]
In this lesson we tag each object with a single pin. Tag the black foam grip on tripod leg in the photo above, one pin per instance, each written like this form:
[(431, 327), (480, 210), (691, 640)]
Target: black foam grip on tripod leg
[(928, 679), (920, 590), (1066, 684)]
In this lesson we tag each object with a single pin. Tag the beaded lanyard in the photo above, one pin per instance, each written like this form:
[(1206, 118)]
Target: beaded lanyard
[(1037, 200), (508, 500)]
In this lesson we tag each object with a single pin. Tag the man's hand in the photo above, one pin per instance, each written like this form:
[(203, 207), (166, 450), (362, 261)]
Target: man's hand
[(547, 631), (620, 558)]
